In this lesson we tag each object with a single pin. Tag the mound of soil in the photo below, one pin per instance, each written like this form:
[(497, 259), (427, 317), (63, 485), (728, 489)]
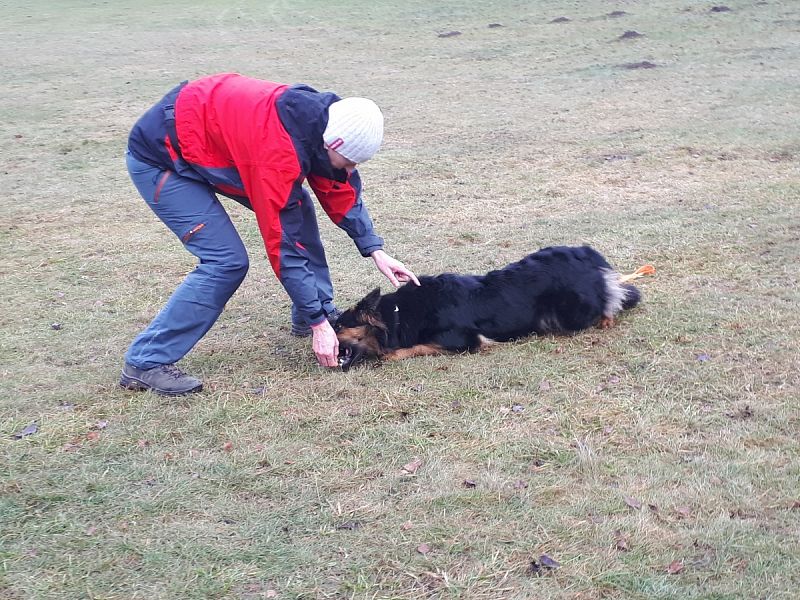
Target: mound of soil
[(645, 64), (630, 35)]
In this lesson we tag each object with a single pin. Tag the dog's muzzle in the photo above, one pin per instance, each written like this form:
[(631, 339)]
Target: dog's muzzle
[(349, 356)]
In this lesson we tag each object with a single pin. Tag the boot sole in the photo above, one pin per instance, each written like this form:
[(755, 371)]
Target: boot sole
[(131, 383)]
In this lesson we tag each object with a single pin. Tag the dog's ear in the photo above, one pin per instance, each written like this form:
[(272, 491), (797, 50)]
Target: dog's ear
[(369, 303)]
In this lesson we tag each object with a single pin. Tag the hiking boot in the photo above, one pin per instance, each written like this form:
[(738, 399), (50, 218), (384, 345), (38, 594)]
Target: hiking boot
[(302, 330), (167, 380)]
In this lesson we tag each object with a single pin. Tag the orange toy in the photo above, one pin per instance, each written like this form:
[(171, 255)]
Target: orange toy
[(640, 272)]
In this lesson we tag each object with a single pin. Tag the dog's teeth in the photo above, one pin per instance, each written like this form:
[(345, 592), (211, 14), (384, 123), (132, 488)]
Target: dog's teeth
[(345, 357)]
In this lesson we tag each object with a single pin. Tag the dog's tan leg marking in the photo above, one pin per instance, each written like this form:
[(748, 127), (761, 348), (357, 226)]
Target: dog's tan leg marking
[(414, 351), (487, 344), (606, 323)]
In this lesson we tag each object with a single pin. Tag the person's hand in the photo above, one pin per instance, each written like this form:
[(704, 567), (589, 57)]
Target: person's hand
[(393, 269), (325, 344)]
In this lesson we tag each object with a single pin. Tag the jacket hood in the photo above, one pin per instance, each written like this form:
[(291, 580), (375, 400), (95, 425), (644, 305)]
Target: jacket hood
[(304, 114)]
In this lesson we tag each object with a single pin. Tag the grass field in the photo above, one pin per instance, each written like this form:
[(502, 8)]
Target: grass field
[(659, 459)]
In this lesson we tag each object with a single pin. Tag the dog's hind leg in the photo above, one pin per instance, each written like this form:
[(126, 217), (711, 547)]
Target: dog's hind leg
[(414, 351), (606, 323)]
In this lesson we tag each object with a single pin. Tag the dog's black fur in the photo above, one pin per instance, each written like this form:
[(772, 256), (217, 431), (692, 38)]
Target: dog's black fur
[(557, 290)]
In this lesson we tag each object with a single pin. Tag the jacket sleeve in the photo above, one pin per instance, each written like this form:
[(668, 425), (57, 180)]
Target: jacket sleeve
[(275, 196), (342, 203)]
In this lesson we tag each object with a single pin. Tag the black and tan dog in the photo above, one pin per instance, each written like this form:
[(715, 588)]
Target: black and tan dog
[(558, 290)]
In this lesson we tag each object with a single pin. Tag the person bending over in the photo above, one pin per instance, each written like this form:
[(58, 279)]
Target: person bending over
[(254, 141)]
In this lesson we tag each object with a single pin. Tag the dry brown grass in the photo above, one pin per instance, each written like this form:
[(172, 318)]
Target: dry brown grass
[(281, 478)]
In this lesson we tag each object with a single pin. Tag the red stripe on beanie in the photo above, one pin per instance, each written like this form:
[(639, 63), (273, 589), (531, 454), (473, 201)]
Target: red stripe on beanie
[(336, 143)]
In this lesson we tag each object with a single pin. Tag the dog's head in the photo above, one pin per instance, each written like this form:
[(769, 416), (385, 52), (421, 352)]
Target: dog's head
[(361, 331)]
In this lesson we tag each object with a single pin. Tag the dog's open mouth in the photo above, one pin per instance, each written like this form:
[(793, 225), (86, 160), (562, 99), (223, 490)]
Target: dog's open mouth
[(350, 356), (345, 358)]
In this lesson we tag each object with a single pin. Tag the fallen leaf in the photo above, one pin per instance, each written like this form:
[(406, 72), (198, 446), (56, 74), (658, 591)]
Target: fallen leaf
[(168, 456), (740, 566), (423, 549), (100, 425), (520, 484), (683, 511), (544, 385), (675, 567), (70, 446), (271, 594), (795, 505), (548, 562), (418, 387), (93, 436), (632, 502), (227, 446), (29, 430), (517, 408), (653, 507), (91, 530), (56, 326), (349, 525), (470, 483), (703, 357), (621, 541), (596, 518), (143, 443), (411, 468), (613, 380), (406, 526), (742, 413)]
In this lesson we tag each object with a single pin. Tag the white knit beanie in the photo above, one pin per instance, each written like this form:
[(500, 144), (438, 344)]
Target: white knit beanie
[(355, 128)]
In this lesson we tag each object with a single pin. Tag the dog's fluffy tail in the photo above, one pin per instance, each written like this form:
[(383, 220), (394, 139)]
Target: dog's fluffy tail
[(632, 296), (619, 296)]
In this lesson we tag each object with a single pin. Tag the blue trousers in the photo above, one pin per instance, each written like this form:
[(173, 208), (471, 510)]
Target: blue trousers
[(195, 215)]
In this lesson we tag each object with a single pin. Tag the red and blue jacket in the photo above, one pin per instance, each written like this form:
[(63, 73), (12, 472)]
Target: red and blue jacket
[(257, 142)]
